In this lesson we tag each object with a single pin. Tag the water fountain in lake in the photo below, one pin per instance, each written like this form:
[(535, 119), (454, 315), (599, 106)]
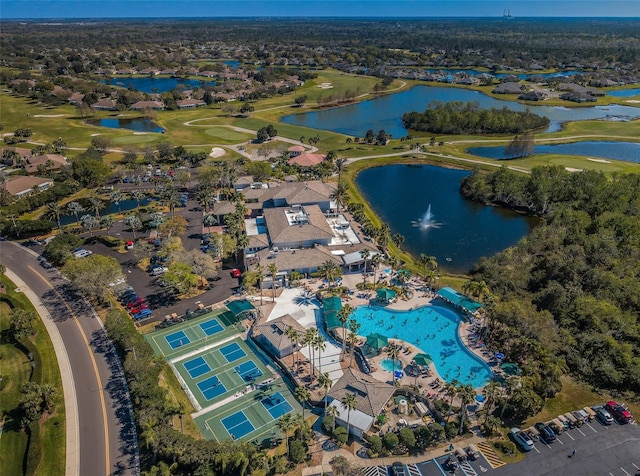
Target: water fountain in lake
[(427, 221)]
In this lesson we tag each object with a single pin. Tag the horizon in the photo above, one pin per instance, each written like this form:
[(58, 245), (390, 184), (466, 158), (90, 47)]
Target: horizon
[(283, 9)]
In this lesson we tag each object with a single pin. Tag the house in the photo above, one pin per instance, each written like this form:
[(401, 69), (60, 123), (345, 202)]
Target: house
[(508, 88), (47, 161), (307, 160), (23, 186), (578, 97), (302, 260), (296, 150), (371, 397), (271, 336), (21, 151), (104, 105), (141, 105), (533, 96), (313, 192), (190, 103), (297, 226), (76, 99)]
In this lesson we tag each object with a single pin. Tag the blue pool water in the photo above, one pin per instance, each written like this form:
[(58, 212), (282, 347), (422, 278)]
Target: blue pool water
[(434, 330), (388, 364)]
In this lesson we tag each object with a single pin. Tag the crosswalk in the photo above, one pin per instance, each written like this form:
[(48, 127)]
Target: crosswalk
[(490, 455), (468, 469), (413, 470)]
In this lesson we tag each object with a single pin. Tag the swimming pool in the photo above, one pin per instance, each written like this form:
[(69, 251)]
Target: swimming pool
[(434, 330), (388, 364)]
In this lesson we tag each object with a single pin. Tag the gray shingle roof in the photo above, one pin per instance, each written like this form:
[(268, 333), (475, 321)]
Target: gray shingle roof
[(274, 331), (371, 394)]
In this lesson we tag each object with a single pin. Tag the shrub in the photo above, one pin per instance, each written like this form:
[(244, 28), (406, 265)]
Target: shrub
[(390, 440), (505, 447), (327, 423), (375, 444), (297, 451), (340, 435), (451, 429), (407, 437)]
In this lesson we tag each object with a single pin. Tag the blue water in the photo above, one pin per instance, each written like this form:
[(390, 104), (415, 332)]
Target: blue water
[(464, 230), (232, 63), (390, 364), (624, 93), (474, 72), (147, 84), (125, 206), (139, 124), (434, 330), (625, 151), (386, 112)]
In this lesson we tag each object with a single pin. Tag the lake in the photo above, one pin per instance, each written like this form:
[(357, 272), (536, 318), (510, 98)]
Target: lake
[(625, 151), (624, 93), (110, 207), (525, 76), (148, 84), (139, 124), (458, 232), (386, 112)]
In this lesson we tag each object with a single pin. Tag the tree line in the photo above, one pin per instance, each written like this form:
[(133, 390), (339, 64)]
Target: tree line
[(468, 118), (567, 297)]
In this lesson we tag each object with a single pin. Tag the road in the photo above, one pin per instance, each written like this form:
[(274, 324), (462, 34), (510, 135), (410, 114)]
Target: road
[(106, 437)]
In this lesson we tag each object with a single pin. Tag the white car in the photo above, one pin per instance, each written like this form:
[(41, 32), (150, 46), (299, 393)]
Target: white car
[(82, 253)]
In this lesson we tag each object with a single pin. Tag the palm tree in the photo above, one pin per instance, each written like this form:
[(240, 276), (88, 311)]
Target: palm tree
[(467, 394), (329, 271), (95, 205), (393, 352), (427, 263), (106, 222), (511, 384), (284, 424), (75, 209), (492, 392), (340, 165), (134, 223), (334, 412), (309, 339), (343, 316), (116, 197), (320, 345), (354, 327), (365, 254), (340, 195), (326, 383), (89, 222), (259, 278), (375, 262), (303, 394), (52, 212), (138, 196), (451, 389), (349, 402), (397, 239), (295, 337), (273, 271)]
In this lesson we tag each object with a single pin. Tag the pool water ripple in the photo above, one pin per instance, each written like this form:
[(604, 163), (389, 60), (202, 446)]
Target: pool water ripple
[(434, 330)]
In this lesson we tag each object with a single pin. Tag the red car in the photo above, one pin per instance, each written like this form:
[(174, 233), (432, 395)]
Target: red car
[(136, 310), (619, 412), (236, 273), (136, 303)]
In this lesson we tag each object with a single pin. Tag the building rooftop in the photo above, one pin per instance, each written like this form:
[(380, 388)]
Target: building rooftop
[(371, 394)]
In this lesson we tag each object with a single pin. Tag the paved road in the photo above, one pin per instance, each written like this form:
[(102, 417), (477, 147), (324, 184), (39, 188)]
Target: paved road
[(106, 433)]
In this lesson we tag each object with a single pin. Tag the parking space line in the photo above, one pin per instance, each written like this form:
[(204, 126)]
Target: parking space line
[(559, 441), (571, 437), (594, 430), (635, 466), (625, 471), (534, 447), (581, 431)]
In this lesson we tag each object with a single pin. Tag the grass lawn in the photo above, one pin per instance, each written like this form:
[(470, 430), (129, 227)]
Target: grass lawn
[(52, 428), (169, 381)]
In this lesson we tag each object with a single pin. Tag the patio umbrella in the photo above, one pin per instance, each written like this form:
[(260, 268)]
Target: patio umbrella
[(423, 359), (511, 369), (499, 355), (377, 341), (386, 294)]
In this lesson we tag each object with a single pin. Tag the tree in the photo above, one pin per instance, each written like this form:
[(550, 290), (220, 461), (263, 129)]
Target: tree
[(325, 383), (75, 209), (52, 212), (247, 109), (427, 263), (451, 389), (340, 195), (273, 271), (319, 345), (352, 340), (93, 274), (333, 412), (349, 402), (22, 322), (297, 451), (133, 222), (285, 424), (340, 165), (116, 197), (521, 146), (303, 394), (89, 222), (390, 440), (393, 352), (309, 341), (295, 337), (492, 392), (300, 100), (343, 315), (101, 143), (138, 196), (95, 205), (365, 254), (174, 226), (180, 277), (467, 395), (36, 399), (407, 437)]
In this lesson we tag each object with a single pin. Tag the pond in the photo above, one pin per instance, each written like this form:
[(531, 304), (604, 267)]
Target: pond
[(625, 151), (423, 203), (525, 76), (139, 124), (386, 112), (110, 207), (148, 84), (624, 93)]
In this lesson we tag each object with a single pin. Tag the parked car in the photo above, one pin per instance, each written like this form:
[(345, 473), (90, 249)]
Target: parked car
[(620, 413), (236, 273), (473, 452), (135, 303), (142, 314), (129, 298), (603, 415), (81, 253), (546, 434), (159, 270), (398, 469), (521, 439), (142, 307)]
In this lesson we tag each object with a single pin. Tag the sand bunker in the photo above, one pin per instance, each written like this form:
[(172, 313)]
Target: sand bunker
[(602, 161), (96, 134), (325, 85), (633, 101), (571, 169), (49, 115), (217, 152)]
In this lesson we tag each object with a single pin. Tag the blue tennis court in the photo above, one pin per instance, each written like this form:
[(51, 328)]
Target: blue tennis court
[(211, 327), (237, 425), (248, 370), (232, 352), (177, 339), (276, 405), (197, 367), (211, 387)]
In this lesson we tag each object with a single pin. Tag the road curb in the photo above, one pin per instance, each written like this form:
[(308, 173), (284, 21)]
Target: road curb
[(72, 465)]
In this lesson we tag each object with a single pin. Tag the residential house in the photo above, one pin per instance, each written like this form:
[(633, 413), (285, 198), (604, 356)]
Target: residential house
[(297, 226), (296, 150), (508, 88), (142, 105), (190, 103), (307, 160), (21, 151), (22, 186), (47, 161), (271, 336), (105, 105), (533, 96), (76, 99)]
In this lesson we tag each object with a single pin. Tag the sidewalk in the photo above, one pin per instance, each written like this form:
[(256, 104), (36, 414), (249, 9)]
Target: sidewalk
[(72, 466)]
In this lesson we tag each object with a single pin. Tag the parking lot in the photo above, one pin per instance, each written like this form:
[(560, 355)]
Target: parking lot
[(600, 450)]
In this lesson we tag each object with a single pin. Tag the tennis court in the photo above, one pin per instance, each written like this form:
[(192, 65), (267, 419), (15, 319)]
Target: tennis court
[(211, 327), (237, 425), (232, 352), (276, 405), (177, 339), (211, 387), (248, 370), (197, 367)]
